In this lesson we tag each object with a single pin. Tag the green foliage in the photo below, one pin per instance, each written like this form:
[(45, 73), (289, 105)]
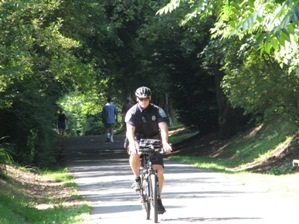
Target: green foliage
[(5, 151), (38, 65), (179, 138), (146, 50), (272, 24), (266, 88), (258, 148), (59, 174), (175, 50), (83, 112), (31, 141), (5, 158), (73, 54), (285, 168), (173, 4), (30, 126), (244, 28), (14, 210)]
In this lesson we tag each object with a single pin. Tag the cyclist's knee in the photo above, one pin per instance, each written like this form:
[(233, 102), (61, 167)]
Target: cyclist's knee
[(158, 167), (134, 157)]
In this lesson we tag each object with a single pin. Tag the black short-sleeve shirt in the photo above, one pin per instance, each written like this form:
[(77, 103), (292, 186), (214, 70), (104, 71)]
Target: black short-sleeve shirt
[(146, 120)]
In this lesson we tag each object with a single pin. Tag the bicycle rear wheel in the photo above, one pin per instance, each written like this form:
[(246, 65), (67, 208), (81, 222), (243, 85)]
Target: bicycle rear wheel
[(154, 195)]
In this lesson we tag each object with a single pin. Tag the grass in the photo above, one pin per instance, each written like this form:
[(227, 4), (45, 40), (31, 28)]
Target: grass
[(60, 174), (46, 197), (178, 133), (252, 149), (16, 210)]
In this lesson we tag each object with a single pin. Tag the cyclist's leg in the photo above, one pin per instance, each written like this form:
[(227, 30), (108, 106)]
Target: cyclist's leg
[(135, 164), (160, 173), (158, 164)]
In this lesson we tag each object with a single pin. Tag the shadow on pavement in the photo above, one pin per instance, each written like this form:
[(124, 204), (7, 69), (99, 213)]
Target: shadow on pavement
[(103, 176)]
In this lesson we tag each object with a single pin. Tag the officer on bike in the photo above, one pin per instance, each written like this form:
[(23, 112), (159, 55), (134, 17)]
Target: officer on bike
[(146, 120)]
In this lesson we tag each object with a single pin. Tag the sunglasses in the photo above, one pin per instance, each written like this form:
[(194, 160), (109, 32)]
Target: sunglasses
[(143, 99)]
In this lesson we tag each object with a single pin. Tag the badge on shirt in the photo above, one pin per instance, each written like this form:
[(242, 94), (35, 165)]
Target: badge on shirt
[(154, 118), (162, 113)]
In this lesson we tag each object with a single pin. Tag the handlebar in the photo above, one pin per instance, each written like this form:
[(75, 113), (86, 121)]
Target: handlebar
[(148, 146), (150, 149)]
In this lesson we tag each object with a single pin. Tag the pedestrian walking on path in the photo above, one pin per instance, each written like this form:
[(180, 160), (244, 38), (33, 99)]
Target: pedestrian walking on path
[(124, 111), (109, 118)]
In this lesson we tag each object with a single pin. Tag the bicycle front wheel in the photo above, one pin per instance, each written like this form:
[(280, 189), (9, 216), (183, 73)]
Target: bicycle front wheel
[(145, 197), (147, 207), (154, 195)]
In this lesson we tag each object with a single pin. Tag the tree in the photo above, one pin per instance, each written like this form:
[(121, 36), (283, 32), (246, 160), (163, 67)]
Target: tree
[(273, 25), (37, 67), (260, 39)]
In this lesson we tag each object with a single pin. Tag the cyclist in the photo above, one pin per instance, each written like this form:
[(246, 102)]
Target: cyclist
[(146, 120)]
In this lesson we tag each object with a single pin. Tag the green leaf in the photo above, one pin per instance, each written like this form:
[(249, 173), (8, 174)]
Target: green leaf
[(274, 43), (285, 35), (291, 28), (259, 39), (268, 47), (172, 5), (295, 14)]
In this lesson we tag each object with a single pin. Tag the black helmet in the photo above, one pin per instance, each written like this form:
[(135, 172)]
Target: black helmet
[(143, 92)]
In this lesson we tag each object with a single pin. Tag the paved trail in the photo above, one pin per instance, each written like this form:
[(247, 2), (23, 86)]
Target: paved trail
[(190, 195)]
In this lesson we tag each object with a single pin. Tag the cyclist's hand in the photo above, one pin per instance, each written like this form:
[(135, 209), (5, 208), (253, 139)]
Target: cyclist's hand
[(167, 147), (133, 149)]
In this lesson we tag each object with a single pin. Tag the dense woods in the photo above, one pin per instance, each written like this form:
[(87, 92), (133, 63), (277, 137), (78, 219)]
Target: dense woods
[(219, 65)]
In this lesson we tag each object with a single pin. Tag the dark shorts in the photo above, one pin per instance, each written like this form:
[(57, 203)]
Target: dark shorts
[(61, 125), (157, 160)]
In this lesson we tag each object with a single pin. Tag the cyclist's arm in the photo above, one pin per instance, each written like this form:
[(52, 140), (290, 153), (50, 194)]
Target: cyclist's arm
[(164, 136), (131, 137)]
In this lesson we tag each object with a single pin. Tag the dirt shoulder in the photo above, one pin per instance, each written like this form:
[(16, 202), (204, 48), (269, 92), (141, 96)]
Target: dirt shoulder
[(41, 192)]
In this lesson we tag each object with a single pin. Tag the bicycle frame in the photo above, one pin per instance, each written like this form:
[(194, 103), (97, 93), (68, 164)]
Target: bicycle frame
[(149, 182)]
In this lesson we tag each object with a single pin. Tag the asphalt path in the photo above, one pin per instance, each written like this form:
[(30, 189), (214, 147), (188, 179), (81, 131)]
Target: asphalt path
[(190, 195)]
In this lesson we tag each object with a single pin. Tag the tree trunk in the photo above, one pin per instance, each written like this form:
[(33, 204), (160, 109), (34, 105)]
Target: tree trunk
[(229, 119)]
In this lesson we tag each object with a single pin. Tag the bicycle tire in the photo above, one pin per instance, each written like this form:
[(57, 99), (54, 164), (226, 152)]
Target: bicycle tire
[(145, 198), (147, 207), (154, 196)]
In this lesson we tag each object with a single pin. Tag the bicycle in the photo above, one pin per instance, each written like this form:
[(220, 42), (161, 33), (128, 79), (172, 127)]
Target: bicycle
[(149, 189)]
